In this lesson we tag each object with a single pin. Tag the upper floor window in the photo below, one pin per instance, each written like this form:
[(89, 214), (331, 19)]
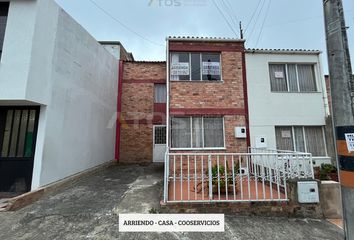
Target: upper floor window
[(4, 9), (195, 66), (292, 77)]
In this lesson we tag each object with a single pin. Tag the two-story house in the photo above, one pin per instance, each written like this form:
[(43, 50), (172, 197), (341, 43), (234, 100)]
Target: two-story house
[(288, 102)]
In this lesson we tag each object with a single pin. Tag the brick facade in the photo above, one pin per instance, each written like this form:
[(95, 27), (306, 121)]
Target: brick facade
[(139, 113), (187, 98), (223, 98)]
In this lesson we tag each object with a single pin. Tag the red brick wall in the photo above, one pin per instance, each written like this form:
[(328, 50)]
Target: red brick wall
[(216, 96), (136, 143), (226, 94)]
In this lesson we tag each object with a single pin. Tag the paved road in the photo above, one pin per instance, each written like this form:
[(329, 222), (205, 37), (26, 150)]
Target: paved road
[(89, 208)]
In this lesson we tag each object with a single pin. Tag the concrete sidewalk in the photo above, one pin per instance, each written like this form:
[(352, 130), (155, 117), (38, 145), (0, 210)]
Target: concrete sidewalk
[(89, 209)]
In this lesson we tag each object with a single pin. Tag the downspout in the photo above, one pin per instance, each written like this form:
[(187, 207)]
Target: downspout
[(245, 96), (323, 86), (119, 109)]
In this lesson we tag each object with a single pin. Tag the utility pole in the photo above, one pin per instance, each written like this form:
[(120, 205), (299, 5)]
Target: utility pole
[(342, 91), (241, 30)]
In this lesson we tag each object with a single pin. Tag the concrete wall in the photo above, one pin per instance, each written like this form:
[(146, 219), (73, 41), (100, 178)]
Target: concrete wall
[(55, 63), (113, 49), (80, 130), (268, 109), (16, 55)]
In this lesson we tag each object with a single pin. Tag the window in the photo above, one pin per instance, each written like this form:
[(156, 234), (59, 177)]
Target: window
[(4, 9), (160, 93), (160, 134), (292, 77), (17, 130), (195, 66), (197, 132), (302, 139)]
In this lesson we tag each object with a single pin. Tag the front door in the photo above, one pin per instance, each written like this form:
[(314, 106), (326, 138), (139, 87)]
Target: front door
[(18, 130), (159, 143)]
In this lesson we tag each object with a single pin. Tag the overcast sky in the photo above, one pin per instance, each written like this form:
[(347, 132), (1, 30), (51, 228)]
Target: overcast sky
[(142, 25)]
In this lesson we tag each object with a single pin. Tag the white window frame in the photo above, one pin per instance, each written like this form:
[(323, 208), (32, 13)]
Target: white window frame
[(297, 76), (203, 140), (201, 63), (304, 135)]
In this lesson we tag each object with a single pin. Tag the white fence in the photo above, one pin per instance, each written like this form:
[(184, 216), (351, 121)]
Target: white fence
[(232, 177)]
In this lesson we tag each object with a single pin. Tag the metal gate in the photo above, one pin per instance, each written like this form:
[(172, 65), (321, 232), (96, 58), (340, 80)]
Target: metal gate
[(18, 130)]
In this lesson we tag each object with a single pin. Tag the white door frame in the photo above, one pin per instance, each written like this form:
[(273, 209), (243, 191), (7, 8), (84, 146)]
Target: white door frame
[(153, 141)]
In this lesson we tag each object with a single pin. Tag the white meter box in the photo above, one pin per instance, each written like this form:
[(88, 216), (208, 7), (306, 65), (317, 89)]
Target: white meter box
[(307, 192), (240, 132)]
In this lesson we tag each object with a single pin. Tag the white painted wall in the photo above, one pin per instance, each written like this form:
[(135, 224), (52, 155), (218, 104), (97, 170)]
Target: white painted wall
[(113, 49), (55, 63), (268, 109), (16, 55)]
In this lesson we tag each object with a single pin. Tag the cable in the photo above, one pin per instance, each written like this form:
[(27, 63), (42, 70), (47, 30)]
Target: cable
[(254, 12), (124, 25), (265, 17), (231, 11), (255, 23), (222, 14)]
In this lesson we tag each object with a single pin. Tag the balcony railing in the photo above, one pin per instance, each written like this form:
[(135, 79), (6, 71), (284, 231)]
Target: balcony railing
[(232, 177)]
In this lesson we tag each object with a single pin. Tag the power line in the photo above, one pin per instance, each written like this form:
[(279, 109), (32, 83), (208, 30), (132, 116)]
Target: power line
[(223, 15), (258, 15), (124, 25), (231, 11), (265, 17), (254, 12)]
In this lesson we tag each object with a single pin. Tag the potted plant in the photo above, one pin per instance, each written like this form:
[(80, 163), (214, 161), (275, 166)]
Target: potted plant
[(222, 178), (328, 172)]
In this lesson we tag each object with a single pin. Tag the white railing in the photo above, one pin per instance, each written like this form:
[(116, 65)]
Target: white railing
[(231, 177), (298, 165)]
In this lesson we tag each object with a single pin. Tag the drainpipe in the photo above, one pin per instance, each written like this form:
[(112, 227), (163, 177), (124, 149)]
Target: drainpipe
[(323, 86), (245, 96)]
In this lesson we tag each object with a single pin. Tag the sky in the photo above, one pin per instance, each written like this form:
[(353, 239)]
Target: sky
[(143, 25)]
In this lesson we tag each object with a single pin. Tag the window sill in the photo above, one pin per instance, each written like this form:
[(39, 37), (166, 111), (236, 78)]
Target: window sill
[(199, 81), (197, 149), (295, 92)]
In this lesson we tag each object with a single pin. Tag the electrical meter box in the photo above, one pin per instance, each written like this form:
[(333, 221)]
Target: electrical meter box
[(307, 192), (240, 132), (261, 142)]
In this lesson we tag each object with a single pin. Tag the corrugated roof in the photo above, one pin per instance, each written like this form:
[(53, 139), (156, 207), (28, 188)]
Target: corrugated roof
[(211, 39), (288, 51)]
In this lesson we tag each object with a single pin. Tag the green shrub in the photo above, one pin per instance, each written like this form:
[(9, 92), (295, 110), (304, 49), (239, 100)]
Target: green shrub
[(325, 170)]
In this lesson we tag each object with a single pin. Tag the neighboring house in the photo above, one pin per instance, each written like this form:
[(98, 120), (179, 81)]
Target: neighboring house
[(141, 130), (58, 94), (288, 102)]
